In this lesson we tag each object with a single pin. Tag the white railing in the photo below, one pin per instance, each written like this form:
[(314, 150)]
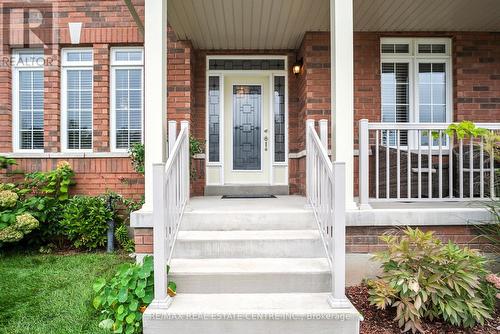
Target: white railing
[(326, 196), (170, 196), (420, 162)]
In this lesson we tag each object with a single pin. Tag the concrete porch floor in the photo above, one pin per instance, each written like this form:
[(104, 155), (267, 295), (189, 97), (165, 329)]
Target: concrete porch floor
[(380, 214)]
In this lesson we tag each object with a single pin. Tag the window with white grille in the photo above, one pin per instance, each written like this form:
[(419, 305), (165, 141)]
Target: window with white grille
[(126, 97), (77, 99), (28, 99), (415, 81)]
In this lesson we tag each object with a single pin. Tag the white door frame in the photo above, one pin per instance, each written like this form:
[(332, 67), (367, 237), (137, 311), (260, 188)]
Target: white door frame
[(221, 74)]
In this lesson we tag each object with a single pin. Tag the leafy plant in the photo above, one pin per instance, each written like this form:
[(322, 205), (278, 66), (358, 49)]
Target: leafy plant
[(54, 183), (490, 230), (123, 299), (123, 239), (136, 154), (195, 146), (424, 279), (85, 221), (6, 162), (465, 129)]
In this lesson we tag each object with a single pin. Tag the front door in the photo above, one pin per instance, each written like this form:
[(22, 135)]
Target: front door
[(247, 126)]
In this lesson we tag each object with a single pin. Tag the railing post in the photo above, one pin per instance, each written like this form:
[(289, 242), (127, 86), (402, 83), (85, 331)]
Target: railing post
[(172, 135), (337, 298), (160, 247), (187, 162), (309, 174), (323, 133), (364, 176)]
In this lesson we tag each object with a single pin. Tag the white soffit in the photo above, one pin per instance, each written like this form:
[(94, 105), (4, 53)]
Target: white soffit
[(247, 24), (427, 15), (281, 24)]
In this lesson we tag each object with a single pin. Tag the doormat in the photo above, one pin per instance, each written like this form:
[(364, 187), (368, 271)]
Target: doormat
[(247, 196)]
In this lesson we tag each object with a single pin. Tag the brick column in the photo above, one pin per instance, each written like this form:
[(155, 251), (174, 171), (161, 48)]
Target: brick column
[(52, 104), (101, 98), (6, 98)]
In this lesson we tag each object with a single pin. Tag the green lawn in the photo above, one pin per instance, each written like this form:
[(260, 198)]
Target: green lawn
[(51, 294)]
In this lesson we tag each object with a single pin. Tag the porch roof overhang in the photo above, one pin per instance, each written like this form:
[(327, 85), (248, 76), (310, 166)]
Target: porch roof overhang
[(281, 24)]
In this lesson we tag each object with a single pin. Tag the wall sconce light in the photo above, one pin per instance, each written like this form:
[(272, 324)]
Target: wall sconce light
[(297, 67)]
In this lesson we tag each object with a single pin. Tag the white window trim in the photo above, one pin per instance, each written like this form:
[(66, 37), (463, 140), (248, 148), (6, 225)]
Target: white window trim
[(112, 96), (16, 69), (73, 65), (414, 58)]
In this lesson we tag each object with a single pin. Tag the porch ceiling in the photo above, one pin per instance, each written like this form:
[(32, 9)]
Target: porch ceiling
[(280, 24)]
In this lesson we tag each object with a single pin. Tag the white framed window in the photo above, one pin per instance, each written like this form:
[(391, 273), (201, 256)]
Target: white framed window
[(28, 100), (77, 99), (416, 82), (127, 97)]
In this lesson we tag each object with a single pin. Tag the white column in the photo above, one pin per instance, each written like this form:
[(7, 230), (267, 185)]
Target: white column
[(155, 80), (342, 90)]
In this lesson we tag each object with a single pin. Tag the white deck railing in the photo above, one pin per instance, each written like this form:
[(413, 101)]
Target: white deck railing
[(326, 196), (420, 162), (171, 194)]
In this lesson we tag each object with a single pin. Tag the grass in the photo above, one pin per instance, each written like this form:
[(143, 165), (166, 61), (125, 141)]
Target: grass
[(51, 294)]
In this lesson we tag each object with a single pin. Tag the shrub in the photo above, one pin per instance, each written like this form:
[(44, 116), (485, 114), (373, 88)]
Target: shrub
[(54, 183), (123, 299), (25, 223), (85, 221), (8, 198), (424, 279), (6, 162)]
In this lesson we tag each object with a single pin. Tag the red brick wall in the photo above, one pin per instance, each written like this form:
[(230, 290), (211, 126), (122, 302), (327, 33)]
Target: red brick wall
[(106, 24), (477, 76), (93, 176)]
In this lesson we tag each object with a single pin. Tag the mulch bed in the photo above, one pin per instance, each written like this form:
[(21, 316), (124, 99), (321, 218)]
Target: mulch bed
[(381, 322)]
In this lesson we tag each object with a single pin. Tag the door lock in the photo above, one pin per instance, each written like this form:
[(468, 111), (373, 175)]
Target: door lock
[(265, 143)]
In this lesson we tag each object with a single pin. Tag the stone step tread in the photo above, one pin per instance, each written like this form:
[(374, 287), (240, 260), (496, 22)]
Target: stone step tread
[(255, 303), (248, 235), (249, 266)]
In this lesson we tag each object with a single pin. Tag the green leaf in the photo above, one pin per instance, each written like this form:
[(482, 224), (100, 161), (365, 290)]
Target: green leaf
[(140, 292), (123, 295), (97, 302), (134, 305), (99, 284), (130, 318), (120, 309), (148, 298), (106, 324)]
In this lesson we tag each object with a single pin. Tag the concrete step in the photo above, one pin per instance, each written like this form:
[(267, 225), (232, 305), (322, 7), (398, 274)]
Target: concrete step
[(258, 275), (203, 220), (268, 313), (248, 244)]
